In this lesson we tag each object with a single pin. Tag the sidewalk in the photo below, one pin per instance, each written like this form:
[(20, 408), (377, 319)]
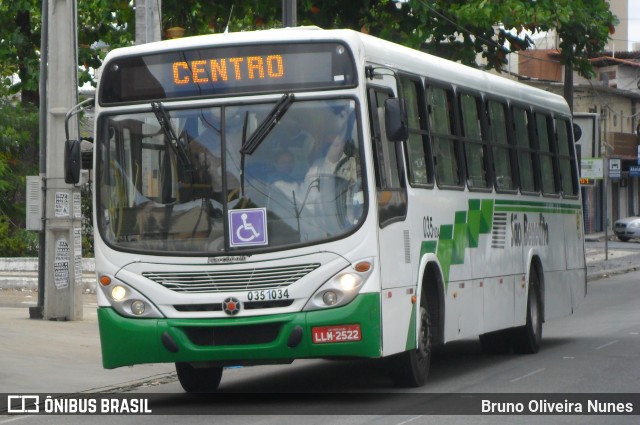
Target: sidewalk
[(38, 356), (618, 261)]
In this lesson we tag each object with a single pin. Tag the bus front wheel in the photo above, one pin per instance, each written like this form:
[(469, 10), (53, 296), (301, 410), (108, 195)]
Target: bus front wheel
[(411, 368), (199, 379)]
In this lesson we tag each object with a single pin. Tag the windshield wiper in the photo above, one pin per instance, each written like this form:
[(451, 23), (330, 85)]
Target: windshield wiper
[(267, 124), (165, 124)]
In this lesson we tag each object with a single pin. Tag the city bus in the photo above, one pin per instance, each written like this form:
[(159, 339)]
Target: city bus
[(262, 197)]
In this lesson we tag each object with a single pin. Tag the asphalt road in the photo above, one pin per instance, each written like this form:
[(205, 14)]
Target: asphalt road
[(596, 350)]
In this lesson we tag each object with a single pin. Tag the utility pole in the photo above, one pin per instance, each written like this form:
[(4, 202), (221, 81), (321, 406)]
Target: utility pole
[(62, 217), (289, 13), (147, 21)]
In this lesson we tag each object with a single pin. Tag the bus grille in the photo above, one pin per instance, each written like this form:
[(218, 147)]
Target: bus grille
[(232, 280)]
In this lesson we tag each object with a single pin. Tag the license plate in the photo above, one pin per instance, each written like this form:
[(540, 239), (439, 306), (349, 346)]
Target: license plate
[(339, 333)]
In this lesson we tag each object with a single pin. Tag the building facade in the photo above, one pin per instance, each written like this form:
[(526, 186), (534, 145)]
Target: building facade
[(612, 99)]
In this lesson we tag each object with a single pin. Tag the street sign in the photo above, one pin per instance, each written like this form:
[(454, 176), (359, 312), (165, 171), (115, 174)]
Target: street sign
[(634, 170), (592, 168), (615, 168)]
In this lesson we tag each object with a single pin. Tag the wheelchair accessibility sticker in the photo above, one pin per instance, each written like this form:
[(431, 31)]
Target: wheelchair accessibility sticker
[(248, 227)]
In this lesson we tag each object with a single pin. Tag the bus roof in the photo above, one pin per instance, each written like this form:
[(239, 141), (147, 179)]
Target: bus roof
[(373, 50)]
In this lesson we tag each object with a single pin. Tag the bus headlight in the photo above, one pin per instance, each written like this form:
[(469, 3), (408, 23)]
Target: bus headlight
[(342, 288), (118, 293), (126, 300)]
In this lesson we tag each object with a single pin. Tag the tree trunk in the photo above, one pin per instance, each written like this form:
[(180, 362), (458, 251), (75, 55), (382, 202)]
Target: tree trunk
[(23, 23), (568, 82)]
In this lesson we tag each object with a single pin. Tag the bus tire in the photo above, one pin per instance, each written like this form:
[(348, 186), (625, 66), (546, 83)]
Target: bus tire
[(411, 368), (527, 338), (199, 379)]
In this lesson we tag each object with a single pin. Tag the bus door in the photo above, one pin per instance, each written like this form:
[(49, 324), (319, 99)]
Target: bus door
[(393, 228)]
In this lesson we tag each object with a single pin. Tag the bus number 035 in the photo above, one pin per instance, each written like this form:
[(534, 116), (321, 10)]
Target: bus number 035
[(428, 229)]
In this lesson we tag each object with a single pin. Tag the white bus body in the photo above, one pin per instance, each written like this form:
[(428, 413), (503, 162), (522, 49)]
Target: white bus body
[(406, 253)]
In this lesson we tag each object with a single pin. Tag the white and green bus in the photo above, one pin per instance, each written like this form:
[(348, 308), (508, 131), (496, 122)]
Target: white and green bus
[(301, 193)]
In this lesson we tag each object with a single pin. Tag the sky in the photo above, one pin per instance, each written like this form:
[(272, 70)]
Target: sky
[(634, 25)]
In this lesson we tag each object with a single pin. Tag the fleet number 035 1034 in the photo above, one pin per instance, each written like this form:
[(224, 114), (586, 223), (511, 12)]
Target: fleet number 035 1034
[(268, 295)]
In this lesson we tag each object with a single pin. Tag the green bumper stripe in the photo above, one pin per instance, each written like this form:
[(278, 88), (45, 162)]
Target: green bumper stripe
[(128, 341)]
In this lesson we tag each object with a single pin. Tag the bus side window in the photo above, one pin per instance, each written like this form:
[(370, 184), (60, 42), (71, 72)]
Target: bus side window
[(474, 143), (546, 154), (566, 158), (445, 144), (390, 185), (526, 153), (501, 148), (418, 157)]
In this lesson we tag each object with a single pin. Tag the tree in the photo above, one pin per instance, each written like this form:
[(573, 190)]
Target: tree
[(460, 29), (455, 29)]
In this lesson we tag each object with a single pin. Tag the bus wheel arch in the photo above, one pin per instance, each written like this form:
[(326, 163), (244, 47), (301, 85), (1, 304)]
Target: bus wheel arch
[(527, 339), (433, 287), (411, 368), (535, 266), (196, 378)]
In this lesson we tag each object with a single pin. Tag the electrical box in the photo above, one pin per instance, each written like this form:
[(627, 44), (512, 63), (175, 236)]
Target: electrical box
[(34, 203)]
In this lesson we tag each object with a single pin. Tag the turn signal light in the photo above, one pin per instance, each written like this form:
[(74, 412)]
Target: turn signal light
[(363, 267)]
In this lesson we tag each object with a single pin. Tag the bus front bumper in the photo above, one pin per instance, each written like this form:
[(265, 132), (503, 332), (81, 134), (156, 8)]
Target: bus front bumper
[(244, 340)]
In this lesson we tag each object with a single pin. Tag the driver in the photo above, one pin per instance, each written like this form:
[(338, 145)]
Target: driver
[(335, 150)]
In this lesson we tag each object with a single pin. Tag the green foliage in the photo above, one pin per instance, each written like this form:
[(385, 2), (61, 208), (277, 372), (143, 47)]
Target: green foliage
[(102, 25), (16, 243), (18, 156), (455, 29)]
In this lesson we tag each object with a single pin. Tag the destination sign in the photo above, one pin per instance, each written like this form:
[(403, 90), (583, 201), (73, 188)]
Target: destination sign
[(228, 70), (236, 68)]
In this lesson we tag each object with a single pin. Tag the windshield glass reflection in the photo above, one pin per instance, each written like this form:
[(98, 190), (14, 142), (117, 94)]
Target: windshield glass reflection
[(301, 184)]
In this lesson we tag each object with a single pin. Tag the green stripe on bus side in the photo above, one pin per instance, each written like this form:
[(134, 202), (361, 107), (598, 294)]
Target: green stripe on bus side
[(535, 210), (477, 220), (455, 238), (537, 204)]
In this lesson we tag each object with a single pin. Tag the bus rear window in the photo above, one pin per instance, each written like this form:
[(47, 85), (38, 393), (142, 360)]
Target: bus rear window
[(227, 70)]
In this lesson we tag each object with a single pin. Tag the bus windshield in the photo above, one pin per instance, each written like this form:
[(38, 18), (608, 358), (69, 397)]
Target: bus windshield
[(180, 181)]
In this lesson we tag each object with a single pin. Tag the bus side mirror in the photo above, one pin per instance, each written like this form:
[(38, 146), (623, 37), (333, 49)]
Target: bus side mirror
[(395, 119), (72, 161)]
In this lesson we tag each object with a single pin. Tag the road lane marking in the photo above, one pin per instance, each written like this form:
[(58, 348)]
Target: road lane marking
[(608, 344), (409, 420), (16, 418), (527, 375)]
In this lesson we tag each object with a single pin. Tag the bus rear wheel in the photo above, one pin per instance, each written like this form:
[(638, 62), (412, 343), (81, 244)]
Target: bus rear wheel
[(411, 368), (199, 379), (527, 338)]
